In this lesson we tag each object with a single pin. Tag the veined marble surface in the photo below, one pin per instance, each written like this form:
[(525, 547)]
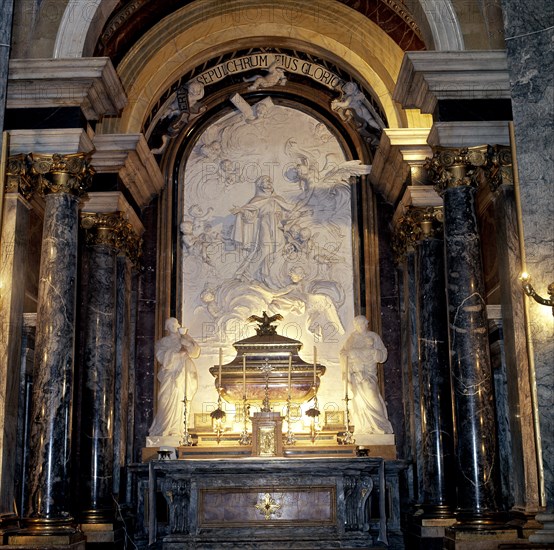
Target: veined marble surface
[(529, 36)]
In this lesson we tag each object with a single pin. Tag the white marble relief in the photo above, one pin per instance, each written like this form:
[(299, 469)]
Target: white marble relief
[(266, 226), (275, 76)]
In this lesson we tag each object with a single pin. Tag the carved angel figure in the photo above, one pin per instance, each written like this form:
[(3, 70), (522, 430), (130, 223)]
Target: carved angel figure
[(275, 75), (353, 103)]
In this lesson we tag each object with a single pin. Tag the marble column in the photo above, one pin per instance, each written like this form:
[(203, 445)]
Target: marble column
[(13, 257), (105, 236), (127, 267), (438, 496), (455, 173), (99, 372), (62, 180)]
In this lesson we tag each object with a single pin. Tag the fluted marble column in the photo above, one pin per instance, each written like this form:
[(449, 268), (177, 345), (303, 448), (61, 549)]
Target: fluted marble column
[(455, 173), (105, 236), (62, 180), (436, 405)]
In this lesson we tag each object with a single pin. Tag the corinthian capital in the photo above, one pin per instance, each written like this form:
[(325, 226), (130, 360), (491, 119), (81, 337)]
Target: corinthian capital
[(455, 167), (61, 173), (18, 179), (499, 166), (417, 224), (112, 229)]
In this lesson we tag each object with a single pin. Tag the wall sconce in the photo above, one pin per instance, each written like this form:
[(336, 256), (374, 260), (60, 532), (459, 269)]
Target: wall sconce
[(530, 291)]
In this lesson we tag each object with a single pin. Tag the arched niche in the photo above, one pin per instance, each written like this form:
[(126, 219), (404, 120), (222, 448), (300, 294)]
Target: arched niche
[(318, 268)]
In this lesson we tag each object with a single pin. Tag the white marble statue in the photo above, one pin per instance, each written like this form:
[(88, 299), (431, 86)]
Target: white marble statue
[(359, 357), (177, 377), (354, 103)]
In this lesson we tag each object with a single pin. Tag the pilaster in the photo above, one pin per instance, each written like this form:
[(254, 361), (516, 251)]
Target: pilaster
[(531, 66), (13, 253), (519, 380)]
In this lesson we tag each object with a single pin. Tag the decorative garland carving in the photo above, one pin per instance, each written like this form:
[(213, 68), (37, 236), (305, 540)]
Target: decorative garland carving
[(61, 173), (455, 167), (499, 166), (416, 225), (112, 229), (18, 179)]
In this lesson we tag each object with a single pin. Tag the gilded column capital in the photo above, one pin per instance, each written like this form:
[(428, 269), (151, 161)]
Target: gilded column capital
[(456, 166), (18, 178), (417, 224), (499, 166), (112, 229), (57, 173)]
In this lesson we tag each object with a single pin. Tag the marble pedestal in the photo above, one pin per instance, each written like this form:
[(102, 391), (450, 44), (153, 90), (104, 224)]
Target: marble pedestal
[(479, 539)]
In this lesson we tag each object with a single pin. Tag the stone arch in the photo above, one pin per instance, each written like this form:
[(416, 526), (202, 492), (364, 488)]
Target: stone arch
[(193, 34)]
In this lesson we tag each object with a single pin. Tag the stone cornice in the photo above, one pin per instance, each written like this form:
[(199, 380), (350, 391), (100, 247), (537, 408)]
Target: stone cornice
[(469, 134), (129, 156), (417, 196), (64, 141), (89, 83), (399, 149), (430, 76)]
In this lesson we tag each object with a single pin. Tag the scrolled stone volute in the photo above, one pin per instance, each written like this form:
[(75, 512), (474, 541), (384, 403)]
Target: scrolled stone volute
[(455, 167), (57, 173), (18, 177), (499, 166)]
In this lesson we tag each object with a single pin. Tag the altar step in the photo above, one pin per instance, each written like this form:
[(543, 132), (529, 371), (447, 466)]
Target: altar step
[(208, 445)]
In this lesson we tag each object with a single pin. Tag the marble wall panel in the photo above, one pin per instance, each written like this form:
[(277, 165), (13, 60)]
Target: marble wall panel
[(13, 254), (531, 67)]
